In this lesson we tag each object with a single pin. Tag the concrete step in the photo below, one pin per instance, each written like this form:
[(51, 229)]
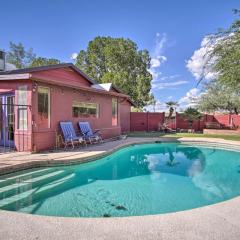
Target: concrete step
[(213, 145), (13, 178), (37, 190), (23, 185)]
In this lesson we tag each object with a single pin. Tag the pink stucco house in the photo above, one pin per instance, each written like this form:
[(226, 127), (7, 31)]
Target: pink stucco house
[(33, 101)]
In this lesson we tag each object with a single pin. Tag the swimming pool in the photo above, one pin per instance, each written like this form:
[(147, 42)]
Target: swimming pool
[(136, 180)]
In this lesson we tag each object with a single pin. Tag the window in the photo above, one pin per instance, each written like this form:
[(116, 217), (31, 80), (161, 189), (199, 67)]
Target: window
[(10, 117), (44, 107), (1, 117), (85, 109), (114, 112), (22, 108)]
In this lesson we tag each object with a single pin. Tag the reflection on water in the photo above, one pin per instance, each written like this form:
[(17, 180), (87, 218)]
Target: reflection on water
[(141, 179), (185, 161)]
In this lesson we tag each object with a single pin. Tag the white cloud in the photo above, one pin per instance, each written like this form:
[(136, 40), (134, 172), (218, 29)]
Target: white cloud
[(156, 62), (168, 85), (74, 56), (155, 74), (163, 58), (160, 82), (170, 77), (157, 57), (174, 76), (158, 107), (197, 63), (190, 99), (160, 44)]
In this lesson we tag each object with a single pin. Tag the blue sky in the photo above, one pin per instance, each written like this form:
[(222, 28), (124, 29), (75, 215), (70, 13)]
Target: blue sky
[(170, 30)]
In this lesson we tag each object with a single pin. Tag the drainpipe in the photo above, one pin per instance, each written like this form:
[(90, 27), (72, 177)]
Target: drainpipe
[(175, 119), (130, 127), (147, 122), (230, 120)]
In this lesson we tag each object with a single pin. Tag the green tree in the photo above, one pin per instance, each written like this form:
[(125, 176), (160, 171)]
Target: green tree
[(119, 61), (40, 61), (136, 109), (224, 54), (191, 114), (19, 56), (22, 58), (218, 97)]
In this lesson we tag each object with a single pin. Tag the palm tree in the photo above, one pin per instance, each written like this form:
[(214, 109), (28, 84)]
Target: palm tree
[(192, 114), (152, 101), (171, 106)]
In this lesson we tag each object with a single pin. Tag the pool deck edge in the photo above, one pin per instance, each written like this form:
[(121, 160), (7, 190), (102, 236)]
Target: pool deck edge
[(218, 221), (13, 162)]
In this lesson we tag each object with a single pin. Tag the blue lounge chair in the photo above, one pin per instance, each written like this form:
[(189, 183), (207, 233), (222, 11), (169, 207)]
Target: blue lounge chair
[(88, 134), (69, 134)]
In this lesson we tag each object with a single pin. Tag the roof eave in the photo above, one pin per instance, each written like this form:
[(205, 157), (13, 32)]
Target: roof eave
[(132, 103), (15, 76), (89, 89), (48, 67)]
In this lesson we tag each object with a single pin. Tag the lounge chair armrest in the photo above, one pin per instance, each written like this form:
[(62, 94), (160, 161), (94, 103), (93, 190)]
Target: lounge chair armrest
[(67, 137), (79, 134), (96, 131), (85, 133)]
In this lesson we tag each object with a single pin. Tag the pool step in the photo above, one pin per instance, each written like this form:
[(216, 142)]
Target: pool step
[(25, 184), (8, 179), (4, 203), (213, 145)]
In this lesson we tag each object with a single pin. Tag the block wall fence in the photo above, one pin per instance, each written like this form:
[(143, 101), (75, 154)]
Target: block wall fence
[(146, 121)]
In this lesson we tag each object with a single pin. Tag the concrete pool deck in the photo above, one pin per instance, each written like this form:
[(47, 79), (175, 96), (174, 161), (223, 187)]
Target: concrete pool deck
[(214, 222), (218, 221), (14, 161)]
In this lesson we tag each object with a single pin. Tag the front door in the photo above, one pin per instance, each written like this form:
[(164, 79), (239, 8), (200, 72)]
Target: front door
[(7, 120)]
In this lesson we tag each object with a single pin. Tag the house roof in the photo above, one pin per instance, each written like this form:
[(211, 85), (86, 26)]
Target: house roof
[(104, 86), (25, 73), (48, 67)]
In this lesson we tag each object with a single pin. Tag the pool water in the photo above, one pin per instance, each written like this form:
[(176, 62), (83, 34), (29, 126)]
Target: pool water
[(136, 180)]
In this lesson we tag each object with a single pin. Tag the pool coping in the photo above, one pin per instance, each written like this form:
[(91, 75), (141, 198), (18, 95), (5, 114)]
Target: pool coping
[(217, 221), (218, 143)]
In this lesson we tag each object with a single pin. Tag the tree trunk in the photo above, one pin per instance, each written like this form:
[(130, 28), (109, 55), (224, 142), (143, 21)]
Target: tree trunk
[(190, 124), (236, 111)]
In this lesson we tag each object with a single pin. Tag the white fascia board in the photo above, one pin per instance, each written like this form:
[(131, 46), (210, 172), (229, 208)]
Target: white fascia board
[(15, 76)]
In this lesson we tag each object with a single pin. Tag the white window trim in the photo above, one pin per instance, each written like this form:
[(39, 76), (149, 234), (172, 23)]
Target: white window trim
[(79, 104), (116, 100), (49, 103), (22, 88)]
